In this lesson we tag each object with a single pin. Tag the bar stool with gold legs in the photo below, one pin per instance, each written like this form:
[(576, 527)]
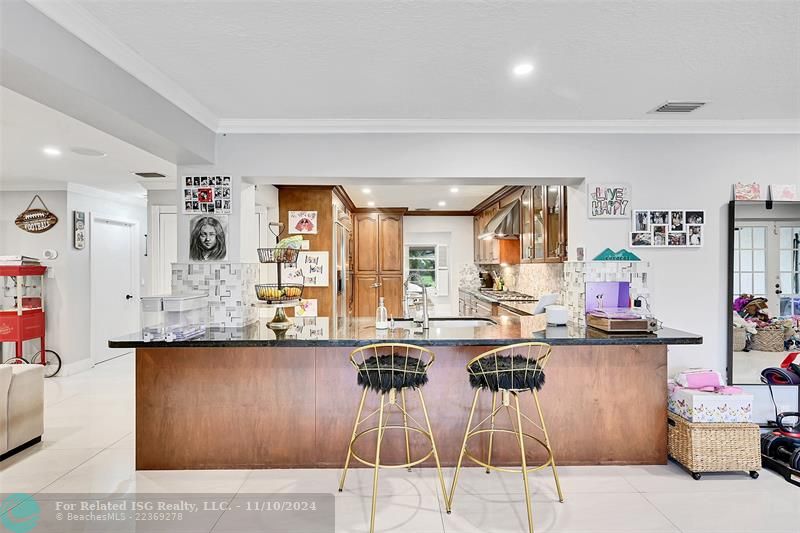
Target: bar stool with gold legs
[(509, 372), (389, 369)]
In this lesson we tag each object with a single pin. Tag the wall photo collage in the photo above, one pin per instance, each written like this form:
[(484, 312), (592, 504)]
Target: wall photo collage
[(668, 228), (207, 195)]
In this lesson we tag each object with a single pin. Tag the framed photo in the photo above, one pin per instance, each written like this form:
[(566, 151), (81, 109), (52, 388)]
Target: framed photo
[(609, 200), (207, 194), (641, 221), (747, 191), (677, 220), (783, 193), (662, 228), (303, 222), (695, 235), (207, 238)]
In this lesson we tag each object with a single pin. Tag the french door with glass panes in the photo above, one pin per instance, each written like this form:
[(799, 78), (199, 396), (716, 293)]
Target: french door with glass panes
[(766, 262)]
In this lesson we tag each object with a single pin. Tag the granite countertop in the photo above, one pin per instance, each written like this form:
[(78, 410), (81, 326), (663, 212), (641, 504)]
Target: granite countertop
[(359, 331)]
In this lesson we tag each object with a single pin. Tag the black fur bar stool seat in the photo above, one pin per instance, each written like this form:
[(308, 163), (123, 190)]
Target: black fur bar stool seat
[(389, 369), (509, 372)]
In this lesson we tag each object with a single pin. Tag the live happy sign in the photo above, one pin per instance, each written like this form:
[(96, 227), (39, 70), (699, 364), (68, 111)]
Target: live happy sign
[(609, 200)]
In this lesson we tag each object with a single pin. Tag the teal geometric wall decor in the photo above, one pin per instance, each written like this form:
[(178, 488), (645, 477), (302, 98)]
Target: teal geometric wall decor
[(623, 255)]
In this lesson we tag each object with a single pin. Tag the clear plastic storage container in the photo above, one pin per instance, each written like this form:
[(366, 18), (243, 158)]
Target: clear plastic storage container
[(174, 317)]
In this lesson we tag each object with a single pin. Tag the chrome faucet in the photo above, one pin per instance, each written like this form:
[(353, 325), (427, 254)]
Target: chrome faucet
[(425, 317)]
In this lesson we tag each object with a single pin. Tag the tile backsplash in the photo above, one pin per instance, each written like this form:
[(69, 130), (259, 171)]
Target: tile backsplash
[(534, 278), (230, 288)]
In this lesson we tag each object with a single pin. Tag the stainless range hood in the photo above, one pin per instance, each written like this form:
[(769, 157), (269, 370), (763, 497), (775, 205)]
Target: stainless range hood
[(505, 224)]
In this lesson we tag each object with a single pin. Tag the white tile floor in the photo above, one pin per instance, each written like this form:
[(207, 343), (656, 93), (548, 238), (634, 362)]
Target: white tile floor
[(88, 447)]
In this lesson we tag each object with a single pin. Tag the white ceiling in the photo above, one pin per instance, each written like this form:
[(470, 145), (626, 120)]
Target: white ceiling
[(26, 127), (336, 59), (415, 196)]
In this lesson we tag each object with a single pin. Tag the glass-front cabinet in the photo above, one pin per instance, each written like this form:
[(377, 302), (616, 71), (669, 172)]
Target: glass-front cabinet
[(543, 228)]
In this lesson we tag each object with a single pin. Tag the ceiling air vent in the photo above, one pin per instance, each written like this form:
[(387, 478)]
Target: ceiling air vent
[(678, 107), (149, 175), (422, 209)]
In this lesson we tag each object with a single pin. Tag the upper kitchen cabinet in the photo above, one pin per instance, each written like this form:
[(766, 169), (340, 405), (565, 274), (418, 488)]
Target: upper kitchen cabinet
[(542, 233), (543, 224), (366, 242), (555, 223), (390, 237)]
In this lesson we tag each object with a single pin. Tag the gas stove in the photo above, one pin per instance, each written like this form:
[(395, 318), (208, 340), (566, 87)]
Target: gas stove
[(508, 296)]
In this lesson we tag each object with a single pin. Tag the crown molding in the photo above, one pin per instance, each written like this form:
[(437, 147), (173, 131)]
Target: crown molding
[(79, 22), (312, 126)]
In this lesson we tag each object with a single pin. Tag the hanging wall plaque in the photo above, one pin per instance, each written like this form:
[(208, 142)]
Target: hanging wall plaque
[(36, 220)]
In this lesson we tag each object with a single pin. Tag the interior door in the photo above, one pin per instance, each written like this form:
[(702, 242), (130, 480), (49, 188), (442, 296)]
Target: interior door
[(167, 250), (391, 243), (114, 288)]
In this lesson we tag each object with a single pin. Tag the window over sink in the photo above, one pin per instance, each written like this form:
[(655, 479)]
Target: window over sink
[(422, 263)]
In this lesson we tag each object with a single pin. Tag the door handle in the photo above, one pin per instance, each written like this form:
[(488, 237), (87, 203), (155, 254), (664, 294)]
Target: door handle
[(128, 297)]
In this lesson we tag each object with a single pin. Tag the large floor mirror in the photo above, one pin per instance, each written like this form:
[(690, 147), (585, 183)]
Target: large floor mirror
[(764, 275)]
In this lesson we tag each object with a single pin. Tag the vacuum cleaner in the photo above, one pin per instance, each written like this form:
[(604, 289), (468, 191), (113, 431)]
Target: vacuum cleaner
[(780, 449)]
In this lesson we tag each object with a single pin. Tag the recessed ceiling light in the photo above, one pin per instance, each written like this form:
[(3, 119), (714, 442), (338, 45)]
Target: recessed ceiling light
[(523, 69), (371, 203), (51, 151), (87, 152), (442, 203), (453, 189), (366, 190)]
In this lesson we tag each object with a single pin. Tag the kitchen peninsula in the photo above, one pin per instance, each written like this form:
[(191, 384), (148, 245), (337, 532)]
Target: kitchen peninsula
[(242, 398)]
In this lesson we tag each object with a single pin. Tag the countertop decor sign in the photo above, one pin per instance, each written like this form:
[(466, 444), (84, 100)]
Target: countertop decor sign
[(36, 220)]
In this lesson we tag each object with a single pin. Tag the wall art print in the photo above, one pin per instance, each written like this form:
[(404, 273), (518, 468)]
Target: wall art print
[(609, 200), (303, 222), (79, 230), (207, 238), (667, 228), (207, 194)]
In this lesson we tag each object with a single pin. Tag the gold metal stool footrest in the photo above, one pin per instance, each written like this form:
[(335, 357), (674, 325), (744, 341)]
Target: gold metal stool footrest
[(544, 445), (382, 465)]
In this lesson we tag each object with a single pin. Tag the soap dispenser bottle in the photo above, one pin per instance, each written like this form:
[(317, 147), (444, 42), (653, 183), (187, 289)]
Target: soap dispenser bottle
[(382, 316)]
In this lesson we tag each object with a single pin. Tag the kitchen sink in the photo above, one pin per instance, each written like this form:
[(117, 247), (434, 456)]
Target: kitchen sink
[(448, 322)]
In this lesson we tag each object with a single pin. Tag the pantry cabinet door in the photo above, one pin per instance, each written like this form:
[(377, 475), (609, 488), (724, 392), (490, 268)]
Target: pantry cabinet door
[(366, 242), (392, 291), (366, 295), (390, 243)]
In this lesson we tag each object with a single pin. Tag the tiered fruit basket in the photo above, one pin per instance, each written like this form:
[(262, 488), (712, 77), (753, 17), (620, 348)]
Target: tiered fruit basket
[(279, 295)]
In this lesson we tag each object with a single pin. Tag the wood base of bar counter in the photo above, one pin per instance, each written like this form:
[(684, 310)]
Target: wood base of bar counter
[(275, 407)]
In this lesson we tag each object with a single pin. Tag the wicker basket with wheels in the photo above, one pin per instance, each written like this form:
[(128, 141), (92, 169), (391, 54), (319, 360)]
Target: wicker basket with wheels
[(716, 447)]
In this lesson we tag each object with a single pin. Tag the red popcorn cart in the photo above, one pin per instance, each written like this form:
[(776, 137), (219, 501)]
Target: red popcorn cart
[(22, 313)]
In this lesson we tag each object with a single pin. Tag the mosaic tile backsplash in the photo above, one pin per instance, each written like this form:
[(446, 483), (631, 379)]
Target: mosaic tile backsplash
[(230, 287), (535, 278)]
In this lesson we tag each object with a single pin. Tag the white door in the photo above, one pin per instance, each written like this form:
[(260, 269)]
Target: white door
[(114, 290), (168, 250)]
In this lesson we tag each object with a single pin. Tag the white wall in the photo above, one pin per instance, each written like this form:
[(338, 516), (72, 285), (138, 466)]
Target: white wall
[(14, 241), (456, 233), (68, 302)]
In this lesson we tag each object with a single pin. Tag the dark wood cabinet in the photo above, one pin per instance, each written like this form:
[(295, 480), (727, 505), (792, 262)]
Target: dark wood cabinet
[(390, 243), (543, 225), (366, 242), (379, 262)]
